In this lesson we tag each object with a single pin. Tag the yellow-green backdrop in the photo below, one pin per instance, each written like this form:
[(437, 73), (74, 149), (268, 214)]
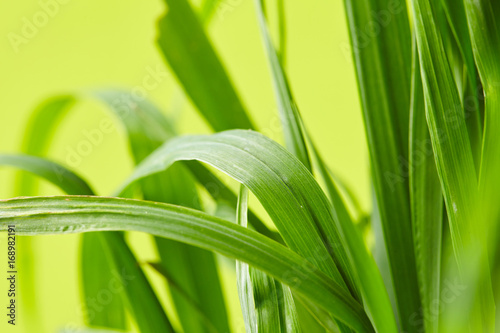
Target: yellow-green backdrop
[(94, 44)]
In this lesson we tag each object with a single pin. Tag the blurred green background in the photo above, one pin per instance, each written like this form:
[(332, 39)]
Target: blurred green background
[(95, 44)]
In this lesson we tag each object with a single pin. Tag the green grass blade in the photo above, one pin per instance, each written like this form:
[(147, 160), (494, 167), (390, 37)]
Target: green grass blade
[(267, 305), (374, 292), (208, 9), (95, 257), (454, 158), (147, 129), (220, 192), (484, 30), (455, 13), (426, 205), (112, 245), (60, 215), (381, 49), (112, 314), (367, 275), (484, 26), (194, 61), (58, 175), (289, 113), (25, 184), (286, 189)]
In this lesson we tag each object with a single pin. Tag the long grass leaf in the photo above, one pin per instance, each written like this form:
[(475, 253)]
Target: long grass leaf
[(137, 289), (61, 215), (267, 305), (452, 150), (381, 49), (426, 204), (286, 189), (147, 129), (111, 314), (289, 113)]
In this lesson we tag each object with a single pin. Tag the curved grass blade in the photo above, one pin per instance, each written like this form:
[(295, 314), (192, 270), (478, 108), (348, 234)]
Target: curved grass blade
[(374, 293), (25, 185), (426, 205), (208, 9), (147, 129), (381, 49), (288, 192), (267, 305), (455, 14), (194, 61), (60, 215), (136, 286), (112, 314)]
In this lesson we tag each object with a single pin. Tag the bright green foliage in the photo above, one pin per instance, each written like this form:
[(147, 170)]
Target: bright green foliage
[(431, 114)]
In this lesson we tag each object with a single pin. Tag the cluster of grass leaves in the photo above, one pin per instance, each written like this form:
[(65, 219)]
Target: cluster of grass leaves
[(428, 77)]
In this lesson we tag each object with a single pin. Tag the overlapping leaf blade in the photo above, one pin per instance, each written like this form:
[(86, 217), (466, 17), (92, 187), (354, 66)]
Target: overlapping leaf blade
[(146, 129), (381, 49), (454, 158), (59, 215), (132, 280), (426, 204), (267, 305)]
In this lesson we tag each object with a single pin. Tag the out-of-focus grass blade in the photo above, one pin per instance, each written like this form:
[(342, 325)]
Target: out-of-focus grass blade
[(289, 113), (177, 286), (146, 129), (484, 23), (26, 185), (381, 49), (194, 61), (208, 9), (426, 204), (141, 297), (58, 175), (267, 305), (286, 189), (61, 215), (111, 314), (454, 160), (94, 258), (42, 127), (132, 279), (484, 28), (183, 262), (455, 13)]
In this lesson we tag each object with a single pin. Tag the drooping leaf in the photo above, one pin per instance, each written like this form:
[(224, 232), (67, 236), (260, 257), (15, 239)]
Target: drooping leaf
[(111, 314), (61, 215), (111, 245), (147, 129), (294, 201)]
